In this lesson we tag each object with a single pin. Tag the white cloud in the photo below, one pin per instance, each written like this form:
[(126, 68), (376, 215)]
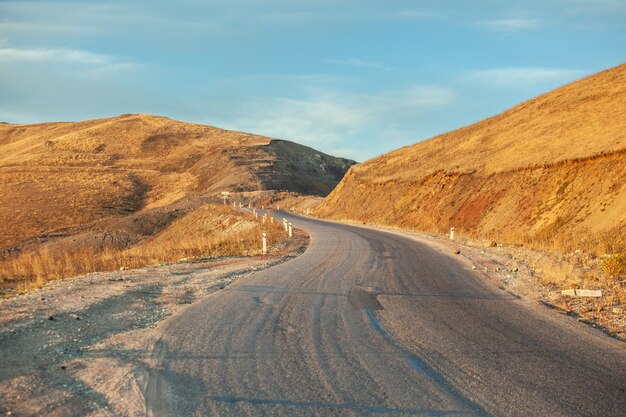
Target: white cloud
[(96, 63), (509, 25), (352, 62), (521, 77), (58, 55), (327, 120)]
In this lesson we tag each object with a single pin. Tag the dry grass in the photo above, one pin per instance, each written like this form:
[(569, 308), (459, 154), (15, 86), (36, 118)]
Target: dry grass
[(210, 231), (109, 193), (65, 175), (549, 174)]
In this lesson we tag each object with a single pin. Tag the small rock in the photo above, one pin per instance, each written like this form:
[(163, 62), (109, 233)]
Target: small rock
[(493, 244), (456, 252), (63, 367), (51, 318), (122, 268), (473, 267), (515, 269)]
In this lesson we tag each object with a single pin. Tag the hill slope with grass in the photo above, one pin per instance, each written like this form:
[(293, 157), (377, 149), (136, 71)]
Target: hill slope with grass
[(549, 173), (111, 184)]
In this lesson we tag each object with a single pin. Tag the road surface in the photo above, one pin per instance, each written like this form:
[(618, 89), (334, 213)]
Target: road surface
[(372, 323)]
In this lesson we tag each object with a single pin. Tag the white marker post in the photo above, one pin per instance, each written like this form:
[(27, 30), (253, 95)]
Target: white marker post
[(264, 243), (290, 230), (452, 233), (285, 225), (256, 215), (307, 211), (264, 217), (278, 207), (271, 220)]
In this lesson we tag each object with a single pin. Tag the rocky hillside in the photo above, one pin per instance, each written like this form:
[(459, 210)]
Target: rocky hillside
[(128, 177), (550, 172)]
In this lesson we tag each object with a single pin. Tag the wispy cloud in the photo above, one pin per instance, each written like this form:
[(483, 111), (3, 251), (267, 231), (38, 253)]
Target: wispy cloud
[(521, 77), (509, 25), (330, 119), (63, 55), (597, 6), (353, 62), (59, 55)]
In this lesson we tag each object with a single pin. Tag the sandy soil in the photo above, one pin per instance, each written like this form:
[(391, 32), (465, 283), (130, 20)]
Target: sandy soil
[(56, 342)]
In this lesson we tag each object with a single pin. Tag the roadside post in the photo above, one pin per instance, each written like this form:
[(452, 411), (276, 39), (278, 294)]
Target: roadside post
[(264, 218), (290, 230), (285, 225), (264, 243), (452, 233)]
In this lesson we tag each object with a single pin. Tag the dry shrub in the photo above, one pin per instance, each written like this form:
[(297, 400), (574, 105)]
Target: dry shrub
[(613, 265), (211, 231)]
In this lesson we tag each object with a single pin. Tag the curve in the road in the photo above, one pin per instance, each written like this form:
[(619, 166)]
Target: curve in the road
[(373, 323)]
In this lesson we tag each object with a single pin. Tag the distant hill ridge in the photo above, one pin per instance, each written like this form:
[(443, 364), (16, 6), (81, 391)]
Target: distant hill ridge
[(550, 171), (59, 176)]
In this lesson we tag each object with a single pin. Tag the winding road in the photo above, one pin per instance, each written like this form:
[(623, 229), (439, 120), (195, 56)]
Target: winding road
[(371, 323)]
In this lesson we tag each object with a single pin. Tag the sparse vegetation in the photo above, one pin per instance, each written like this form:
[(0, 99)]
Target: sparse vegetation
[(613, 265), (542, 174), (122, 192), (210, 231)]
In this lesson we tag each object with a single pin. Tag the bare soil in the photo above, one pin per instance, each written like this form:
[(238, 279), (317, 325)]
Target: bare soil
[(55, 339)]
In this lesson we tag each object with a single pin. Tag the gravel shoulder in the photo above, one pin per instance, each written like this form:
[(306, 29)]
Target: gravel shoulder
[(58, 341), (512, 269)]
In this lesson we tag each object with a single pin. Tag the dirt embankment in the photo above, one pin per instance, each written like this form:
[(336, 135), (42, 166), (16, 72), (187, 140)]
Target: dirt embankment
[(570, 205), (548, 174), (57, 343)]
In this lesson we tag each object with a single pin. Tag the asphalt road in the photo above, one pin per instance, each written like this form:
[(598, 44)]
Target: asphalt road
[(372, 323)]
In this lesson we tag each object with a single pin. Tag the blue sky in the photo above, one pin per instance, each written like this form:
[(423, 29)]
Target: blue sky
[(354, 78)]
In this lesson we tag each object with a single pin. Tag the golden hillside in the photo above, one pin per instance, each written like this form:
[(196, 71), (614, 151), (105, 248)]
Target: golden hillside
[(130, 190), (550, 172), (56, 177)]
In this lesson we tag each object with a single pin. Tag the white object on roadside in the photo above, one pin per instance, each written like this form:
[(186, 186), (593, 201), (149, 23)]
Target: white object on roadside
[(582, 293)]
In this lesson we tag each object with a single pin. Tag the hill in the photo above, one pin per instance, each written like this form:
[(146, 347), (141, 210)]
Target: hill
[(550, 173), (113, 183)]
